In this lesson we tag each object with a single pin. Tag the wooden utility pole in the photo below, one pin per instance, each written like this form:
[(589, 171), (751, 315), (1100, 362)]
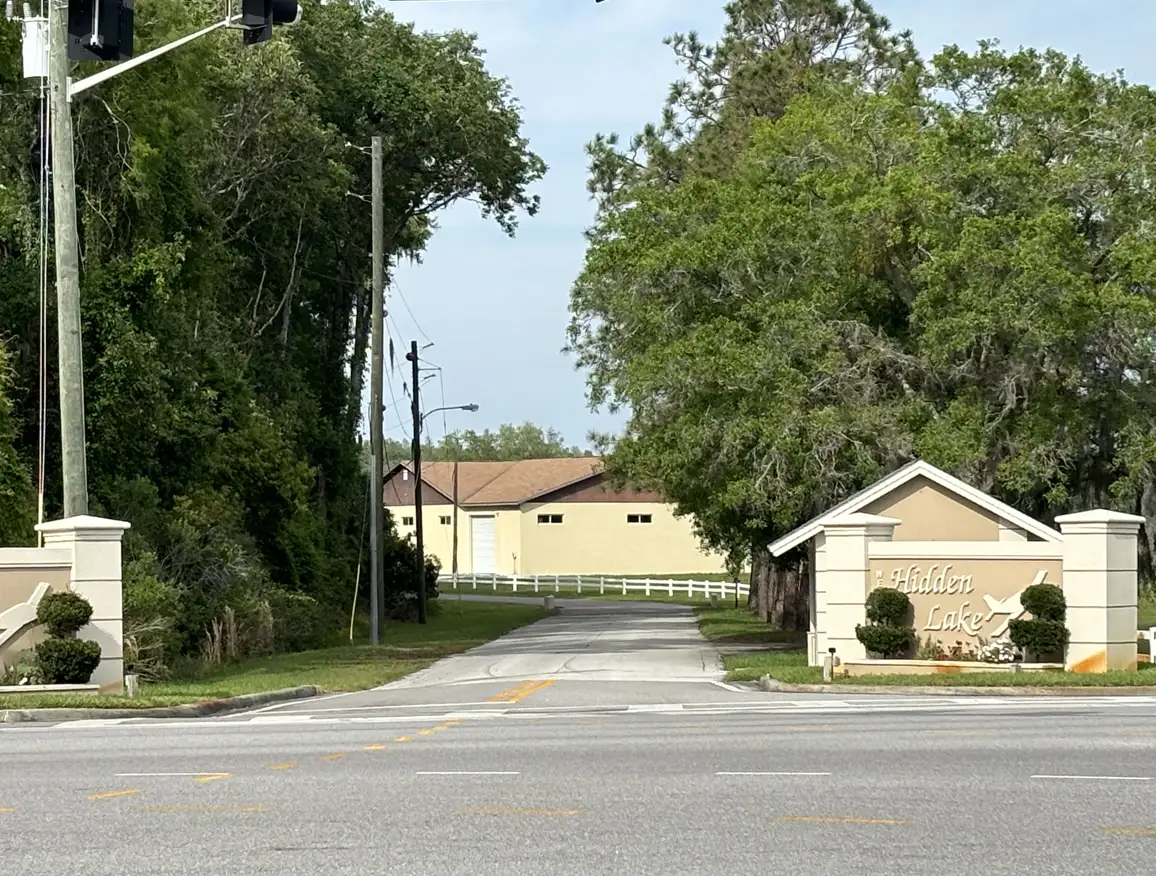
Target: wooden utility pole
[(419, 558), (376, 378), (66, 247)]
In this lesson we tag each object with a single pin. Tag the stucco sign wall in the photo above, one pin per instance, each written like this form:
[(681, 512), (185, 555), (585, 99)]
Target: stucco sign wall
[(963, 598)]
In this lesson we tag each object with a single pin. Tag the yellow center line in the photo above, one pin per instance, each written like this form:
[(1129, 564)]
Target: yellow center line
[(285, 766), (403, 739), (1131, 831), (7, 810), (108, 794), (336, 756), (374, 747), (442, 727), (215, 777), (424, 732), (532, 689), (505, 695), (815, 819), (454, 723)]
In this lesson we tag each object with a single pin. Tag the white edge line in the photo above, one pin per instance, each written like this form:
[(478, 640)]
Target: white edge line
[(754, 773), (467, 773), (142, 775), (1101, 778)]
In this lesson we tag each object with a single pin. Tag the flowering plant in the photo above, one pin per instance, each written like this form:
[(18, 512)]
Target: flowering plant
[(998, 652)]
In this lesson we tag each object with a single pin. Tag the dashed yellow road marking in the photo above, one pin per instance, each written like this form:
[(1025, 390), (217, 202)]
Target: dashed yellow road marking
[(107, 794), (442, 727), (374, 747), (424, 732), (816, 819), (520, 692), (453, 723), (1131, 831), (7, 810), (285, 766), (403, 739), (214, 777), (336, 756)]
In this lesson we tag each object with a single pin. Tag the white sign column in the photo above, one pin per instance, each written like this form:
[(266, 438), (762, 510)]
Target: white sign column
[(1100, 587), (96, 575), (846, 578)]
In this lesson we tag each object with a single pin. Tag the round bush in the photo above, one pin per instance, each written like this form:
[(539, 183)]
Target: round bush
[(1039, 637), (1045, 602), (67, 661), (63, 613), (888, 606), (886, 641)]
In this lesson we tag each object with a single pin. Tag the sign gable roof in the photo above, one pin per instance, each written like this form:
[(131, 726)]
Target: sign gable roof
[(896, 479)]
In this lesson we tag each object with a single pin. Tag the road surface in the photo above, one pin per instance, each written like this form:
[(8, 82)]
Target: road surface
[(468, 772)]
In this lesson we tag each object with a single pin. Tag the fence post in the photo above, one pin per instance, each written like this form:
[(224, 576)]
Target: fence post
[(646, 585), (689, 589), (579, 578), (535, 583), (494, 581), (601, 585), (623, 586), (514, 582)]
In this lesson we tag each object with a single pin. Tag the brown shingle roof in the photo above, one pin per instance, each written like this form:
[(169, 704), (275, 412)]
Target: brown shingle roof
[(507, 483)]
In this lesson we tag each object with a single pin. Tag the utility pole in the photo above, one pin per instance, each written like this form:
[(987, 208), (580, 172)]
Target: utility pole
[(454, 549), (377, 365), (419, 559), (66, 246)]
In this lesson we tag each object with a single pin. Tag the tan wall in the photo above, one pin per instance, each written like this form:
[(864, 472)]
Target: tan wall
[(962, 594), (18, 579), (438, 537), (930, 513), (594, 538)]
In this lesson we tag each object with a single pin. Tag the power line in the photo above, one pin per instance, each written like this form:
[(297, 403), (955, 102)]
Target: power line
[(408, 310)]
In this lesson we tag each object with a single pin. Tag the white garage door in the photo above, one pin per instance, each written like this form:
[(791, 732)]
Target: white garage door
[(482, 537)]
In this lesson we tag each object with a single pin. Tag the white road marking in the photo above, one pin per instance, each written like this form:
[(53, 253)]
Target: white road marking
[(468, 773), (1100, 778), (755, 773), (144, 775)]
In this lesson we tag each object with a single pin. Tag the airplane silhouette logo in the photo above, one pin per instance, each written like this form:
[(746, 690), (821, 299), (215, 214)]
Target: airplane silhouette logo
[(1012, 607)]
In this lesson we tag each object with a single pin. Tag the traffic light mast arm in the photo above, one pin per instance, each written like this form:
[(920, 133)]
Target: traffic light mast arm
[(79, 86)]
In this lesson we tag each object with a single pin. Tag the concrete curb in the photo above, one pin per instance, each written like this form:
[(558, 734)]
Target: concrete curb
[(930, 690), (191, 710)]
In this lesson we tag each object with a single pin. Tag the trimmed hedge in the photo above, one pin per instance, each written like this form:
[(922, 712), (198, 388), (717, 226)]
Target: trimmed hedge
[(67, 661), (63, 613), (888, 634)]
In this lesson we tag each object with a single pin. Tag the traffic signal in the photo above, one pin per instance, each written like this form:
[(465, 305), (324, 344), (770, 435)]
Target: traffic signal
[(259, 16), (100, 30)]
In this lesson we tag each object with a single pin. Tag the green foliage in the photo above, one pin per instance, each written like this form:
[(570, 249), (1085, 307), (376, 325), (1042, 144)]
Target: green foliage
[(63, 613), (510, 442), (1039, 638), (818, 278), (888, 606), (298, 621), (224, 282), (886, 641), (66, 661), (1045, 602)]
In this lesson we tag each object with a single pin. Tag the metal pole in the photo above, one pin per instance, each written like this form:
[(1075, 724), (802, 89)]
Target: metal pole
[(419, 559), (67, 251), (454, 559), (377, 366)]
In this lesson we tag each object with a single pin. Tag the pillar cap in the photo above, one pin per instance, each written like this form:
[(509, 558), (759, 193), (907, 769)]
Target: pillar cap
[(83, 523), (1100, 516)]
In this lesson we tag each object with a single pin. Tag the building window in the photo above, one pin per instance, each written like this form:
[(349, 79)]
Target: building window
[(407, 521), (445, 518), (549, 518), (638, 518)]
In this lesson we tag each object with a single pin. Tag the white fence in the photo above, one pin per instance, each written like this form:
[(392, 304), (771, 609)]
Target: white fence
[(592, 585)]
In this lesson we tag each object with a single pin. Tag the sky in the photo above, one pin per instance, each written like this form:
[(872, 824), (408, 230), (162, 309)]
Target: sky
[(495, 308)]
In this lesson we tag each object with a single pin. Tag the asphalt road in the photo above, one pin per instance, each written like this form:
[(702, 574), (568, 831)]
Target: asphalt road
[(448, 777)]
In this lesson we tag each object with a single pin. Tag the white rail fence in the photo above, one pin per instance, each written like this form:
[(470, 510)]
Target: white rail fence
[(591, 584)]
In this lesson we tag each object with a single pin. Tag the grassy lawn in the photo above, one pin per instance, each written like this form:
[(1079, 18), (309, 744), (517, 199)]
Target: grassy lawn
[(409, 648), (788, 662), (1146, 613)]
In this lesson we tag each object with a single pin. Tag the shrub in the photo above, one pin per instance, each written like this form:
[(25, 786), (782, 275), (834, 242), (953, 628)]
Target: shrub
[(1039, 637), (886, 605), (886, 641), (1045, 602), (298, 621), (63, 613), (67, 661)]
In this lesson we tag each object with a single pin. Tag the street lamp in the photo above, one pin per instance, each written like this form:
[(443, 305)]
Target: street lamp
[(419, 535)]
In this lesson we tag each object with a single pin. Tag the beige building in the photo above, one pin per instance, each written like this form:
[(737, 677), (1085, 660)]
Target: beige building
[(544, 517)]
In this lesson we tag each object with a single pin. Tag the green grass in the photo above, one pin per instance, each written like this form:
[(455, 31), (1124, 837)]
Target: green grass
[(408, 648), (788, 662), (1146, 613)]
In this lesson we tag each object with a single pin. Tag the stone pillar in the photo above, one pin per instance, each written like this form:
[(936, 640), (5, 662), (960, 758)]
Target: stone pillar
[(94, 545), (846, 578), (1100, 586)]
